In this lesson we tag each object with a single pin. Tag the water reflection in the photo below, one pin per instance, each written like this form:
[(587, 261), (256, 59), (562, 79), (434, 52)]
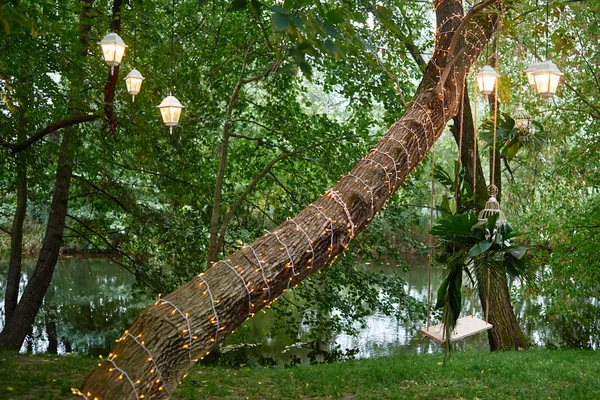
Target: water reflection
[(87, 306), (90, 303)]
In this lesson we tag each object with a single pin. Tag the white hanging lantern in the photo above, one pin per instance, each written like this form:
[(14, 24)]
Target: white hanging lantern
[(170, 109), (486, 79), (529, 71), (113, 49), (134, 82), (522, 119), (546, 76)]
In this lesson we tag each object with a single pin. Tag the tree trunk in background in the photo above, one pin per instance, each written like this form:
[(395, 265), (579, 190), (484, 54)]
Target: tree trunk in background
[(168, 337), (16, 329), (506, 333), (16, 241)]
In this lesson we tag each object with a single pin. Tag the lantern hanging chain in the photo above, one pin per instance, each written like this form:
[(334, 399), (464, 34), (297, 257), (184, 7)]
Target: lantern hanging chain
[(547, 26), (496, 105), (134, 41), (535, 41), (172, 43)]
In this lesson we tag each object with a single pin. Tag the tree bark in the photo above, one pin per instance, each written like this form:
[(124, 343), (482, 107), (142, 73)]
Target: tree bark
[(168, 337), (16, 241)]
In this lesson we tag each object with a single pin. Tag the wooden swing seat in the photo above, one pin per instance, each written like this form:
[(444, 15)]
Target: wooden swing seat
[(465, 326)]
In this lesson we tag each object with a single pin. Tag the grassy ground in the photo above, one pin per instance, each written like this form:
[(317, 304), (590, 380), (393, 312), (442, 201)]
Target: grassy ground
[(534, 374)]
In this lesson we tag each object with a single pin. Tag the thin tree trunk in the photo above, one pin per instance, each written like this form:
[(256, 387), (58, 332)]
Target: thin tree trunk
[(16, 329), (16, 241), (213, 241), (168, 337)]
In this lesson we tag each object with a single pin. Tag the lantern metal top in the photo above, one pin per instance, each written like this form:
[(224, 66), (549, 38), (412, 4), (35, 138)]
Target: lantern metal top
[(488, 71), (547, 67), (170, 101), (134, 73), (113, 38)]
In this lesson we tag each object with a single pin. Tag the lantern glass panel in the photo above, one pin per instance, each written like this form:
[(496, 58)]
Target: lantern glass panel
[(134, 85), (530, 71), (486, 79), (170, 115)]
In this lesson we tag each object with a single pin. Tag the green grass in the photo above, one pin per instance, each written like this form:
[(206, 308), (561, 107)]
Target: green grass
[(534, 374)]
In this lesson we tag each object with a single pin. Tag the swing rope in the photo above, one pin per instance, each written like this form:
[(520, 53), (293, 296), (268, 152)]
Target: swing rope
[(493, 187), (430, 260)]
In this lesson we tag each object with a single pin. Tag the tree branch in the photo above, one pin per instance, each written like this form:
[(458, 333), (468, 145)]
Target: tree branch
[(233, 210), (51, 128)]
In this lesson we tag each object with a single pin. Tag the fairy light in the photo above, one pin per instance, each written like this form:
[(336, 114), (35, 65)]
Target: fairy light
[(337, 197), (290, 263), (383, 153), (310, 244), (150, 357), (358, 179), (262, 270), (330, 248), (430, 120), (185, 316), (123, 374), (387, 174), (244, 283), (215, 319), (415, 135)]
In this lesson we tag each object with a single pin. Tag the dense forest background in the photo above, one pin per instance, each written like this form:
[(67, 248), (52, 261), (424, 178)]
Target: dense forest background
[(280, 101)]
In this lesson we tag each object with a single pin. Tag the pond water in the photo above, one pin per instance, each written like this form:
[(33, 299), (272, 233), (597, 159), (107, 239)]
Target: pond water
[(90, 303)]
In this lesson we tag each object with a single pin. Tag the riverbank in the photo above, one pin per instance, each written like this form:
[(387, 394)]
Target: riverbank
[(533, 374)]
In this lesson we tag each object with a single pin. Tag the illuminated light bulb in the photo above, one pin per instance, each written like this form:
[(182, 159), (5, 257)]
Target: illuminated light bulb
[(113, 49), (170, 109), (546, 77), (486, 79), (134, 80), (529, 73)]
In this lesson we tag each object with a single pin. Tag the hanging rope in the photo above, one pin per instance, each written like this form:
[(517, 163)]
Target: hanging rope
[(460, 142), (475, 147), (172, 42), (431, 205), (493, 187)]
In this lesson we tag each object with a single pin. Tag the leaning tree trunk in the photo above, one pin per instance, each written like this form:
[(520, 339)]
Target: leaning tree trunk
[(170, 336), (16, 328), (506, 333)]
